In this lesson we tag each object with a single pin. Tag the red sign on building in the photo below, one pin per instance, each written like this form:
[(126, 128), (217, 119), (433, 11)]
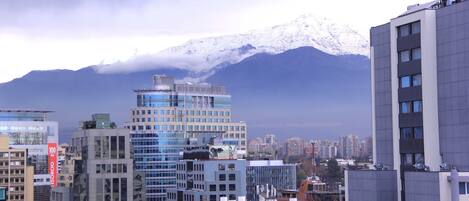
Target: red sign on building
[(52, 155)]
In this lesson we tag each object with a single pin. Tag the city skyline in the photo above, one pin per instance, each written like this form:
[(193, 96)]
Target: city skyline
[(264, 100)]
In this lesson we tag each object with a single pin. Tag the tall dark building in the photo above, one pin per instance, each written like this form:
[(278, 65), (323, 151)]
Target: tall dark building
[(420, 97)]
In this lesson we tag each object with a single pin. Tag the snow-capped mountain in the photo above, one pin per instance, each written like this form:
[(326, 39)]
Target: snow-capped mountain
[(206, 53)]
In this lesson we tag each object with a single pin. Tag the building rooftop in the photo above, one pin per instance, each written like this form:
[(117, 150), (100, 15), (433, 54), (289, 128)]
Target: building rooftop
[(437, 4), (25, 110), (167, 83), (267, 163)]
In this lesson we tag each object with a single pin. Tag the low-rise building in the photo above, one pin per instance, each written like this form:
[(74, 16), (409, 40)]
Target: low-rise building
[(16, 177), (209, 172), (274, 172)]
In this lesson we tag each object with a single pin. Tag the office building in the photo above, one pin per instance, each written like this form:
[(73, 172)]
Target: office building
[(16, 176), (166, 117), (209, 171), (274, 172), (30, 130), (420, 66), (105, 171)]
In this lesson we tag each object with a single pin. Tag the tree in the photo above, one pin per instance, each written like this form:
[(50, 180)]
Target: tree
[(300, 176), (334, 173)]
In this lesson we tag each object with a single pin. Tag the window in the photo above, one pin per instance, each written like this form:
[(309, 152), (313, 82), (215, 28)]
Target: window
[(232, 177), (406, 159), (213, 187), (405, 107), (415, 27), (419, 158), (121, 146), (213, 197), (417, 80), (222, 177), (406, 133), (222, 187), (462, 188), (417, 106), (232, 187), (407, 29), (405, 81), (113, 146), (416, 54), (231, 166), (97, 146), (404, 30), (418, 133), (221, 167), (232, 197), (404, 56)]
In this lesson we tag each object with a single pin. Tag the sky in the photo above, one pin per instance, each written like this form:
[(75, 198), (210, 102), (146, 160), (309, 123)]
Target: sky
[(57, 34)]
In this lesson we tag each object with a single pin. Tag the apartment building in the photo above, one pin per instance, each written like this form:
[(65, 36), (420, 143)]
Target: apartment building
[(420, 66)]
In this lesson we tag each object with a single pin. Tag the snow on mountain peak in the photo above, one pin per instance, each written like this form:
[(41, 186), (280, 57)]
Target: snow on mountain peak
[(307, 30)]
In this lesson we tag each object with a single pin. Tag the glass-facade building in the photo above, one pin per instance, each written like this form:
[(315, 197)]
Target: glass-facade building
[(167, 117), (29, 129)]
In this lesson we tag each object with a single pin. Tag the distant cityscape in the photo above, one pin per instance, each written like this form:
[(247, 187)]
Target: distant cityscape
[(345, 147), (180, 144)]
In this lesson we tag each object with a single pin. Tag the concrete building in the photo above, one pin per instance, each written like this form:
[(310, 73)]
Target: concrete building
[(270, 139), (16, 176), (209, 171), (169, 115), (105, 171), (294, 146), (419, 67), (30, 130), (274, 172), (327, 149), (349, 147), (263, 148)]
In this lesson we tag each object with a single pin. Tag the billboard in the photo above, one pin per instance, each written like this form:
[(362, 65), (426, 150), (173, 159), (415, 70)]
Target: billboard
[(52, 156)]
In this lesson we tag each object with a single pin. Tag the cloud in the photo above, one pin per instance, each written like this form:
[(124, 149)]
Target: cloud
[(80, 33), (147, 62)]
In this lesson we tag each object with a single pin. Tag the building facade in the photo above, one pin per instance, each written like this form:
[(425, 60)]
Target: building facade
[(349, 147), (273, 172), (209, 171), (295, 146), (16, 176), (420, 121), (105, 171), (167, 117), (30, 130)]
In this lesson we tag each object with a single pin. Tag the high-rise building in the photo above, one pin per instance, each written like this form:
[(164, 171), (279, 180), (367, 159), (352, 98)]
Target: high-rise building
[(105, 171), (16, 176), (166, 117), (274, 172), (294, 146), (349, 147), (30, 130), (419, 68), (326, 149), (263, 148), (270, 139), (209, 171)]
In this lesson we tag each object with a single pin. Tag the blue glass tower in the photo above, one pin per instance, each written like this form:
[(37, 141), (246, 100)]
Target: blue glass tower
[(167, 118)]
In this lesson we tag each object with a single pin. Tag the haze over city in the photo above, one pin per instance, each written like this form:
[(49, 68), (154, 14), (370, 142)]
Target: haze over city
[(249, 100)]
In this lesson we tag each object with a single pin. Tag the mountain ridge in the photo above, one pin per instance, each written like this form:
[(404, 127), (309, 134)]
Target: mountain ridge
[(206, 53)]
